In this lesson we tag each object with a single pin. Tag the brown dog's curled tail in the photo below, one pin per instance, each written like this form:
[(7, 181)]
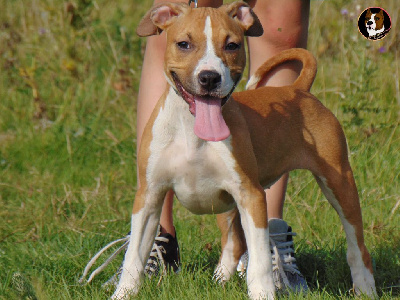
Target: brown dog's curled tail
[(307, 74)]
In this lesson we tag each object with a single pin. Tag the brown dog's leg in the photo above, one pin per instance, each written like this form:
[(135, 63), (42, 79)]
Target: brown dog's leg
[(253, 214), (339, 187)]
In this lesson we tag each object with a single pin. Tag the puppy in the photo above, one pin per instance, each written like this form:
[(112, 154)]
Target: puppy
[(374, 22)]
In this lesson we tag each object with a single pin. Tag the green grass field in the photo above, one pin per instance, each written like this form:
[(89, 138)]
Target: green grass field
[(68, 87)]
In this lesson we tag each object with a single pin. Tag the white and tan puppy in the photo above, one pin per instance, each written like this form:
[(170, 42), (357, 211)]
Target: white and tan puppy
[(218, 152), (374, 23)]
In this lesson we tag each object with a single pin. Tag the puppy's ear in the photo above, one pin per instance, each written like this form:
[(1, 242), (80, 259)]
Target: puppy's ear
[(160, 17), (244, 15)]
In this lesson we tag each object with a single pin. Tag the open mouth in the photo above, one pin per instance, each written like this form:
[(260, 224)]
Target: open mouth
[(207, 110)]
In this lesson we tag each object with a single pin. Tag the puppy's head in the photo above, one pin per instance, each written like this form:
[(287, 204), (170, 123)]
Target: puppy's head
[(205, 55), (374, 21), (205, 52)]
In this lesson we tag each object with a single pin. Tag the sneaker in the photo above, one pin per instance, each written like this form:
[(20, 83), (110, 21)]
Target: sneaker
[(285, 272), (164, 255)]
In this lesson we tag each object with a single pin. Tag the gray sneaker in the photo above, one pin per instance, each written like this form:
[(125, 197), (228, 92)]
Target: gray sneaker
[(285, 272)]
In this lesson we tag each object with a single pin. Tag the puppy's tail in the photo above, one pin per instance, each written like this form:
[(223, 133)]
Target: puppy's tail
[(307, 74)]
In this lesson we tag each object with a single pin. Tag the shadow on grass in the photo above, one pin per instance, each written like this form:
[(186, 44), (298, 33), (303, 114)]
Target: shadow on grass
[(328, 268), (325, 268)]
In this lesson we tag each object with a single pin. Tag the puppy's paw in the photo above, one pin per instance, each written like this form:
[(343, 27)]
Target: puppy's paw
[(123, 292), (221, 274), (261, 289), (262, 295)]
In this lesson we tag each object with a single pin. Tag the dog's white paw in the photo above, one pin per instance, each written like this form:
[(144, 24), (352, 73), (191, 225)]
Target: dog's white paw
[(366, 288), (125, 291), (364, 283), (261, 289), (262, 295), (221, 274)]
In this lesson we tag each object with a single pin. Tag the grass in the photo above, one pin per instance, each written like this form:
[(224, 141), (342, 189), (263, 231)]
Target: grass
[(68, 88)]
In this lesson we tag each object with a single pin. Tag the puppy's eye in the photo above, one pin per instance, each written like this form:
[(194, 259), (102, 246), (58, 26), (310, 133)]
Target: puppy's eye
[(183, 45), (232, 46), (377, 18)]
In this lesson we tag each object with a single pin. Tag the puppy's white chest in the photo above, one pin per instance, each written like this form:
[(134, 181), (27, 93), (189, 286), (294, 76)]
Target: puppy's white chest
[(200, 172), (199, 178)]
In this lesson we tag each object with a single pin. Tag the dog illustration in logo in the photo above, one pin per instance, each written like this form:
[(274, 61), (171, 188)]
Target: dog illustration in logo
[(374, 22)]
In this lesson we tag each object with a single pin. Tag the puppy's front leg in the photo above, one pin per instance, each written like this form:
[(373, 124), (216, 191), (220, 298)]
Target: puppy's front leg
[(145, 219), (253, 213)]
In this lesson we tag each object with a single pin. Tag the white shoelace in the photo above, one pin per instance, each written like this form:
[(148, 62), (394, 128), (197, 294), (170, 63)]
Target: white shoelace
[(125, 241), (282, 259), (156, 254), (285, 250), (279, 250)]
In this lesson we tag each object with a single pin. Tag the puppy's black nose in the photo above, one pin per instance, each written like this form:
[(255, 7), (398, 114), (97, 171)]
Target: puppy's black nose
[(209, 80), (369, 23)]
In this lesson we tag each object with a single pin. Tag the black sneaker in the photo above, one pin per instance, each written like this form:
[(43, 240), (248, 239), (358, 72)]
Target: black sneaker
[(164, 255)]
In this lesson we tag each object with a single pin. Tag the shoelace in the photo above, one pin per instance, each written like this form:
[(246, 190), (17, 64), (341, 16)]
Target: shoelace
[(125, 244), (283, 250), (156, 253), (156, 256)]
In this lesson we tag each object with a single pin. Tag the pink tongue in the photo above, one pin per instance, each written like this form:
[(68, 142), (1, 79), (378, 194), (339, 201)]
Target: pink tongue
[(209, 124)]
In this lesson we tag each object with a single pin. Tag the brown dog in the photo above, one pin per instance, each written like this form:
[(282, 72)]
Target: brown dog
[(218, 152)]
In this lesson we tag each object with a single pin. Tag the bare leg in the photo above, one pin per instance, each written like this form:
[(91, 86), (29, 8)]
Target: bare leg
[(152, 85), (285, 24), (280, 32), (276, 197)]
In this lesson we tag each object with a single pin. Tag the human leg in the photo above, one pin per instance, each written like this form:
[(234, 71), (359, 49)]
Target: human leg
[(152, 85), (280, 33)]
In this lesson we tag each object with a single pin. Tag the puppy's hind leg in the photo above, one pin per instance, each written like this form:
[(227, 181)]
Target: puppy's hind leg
[(340, 189), (233, 244), (145, 220)]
